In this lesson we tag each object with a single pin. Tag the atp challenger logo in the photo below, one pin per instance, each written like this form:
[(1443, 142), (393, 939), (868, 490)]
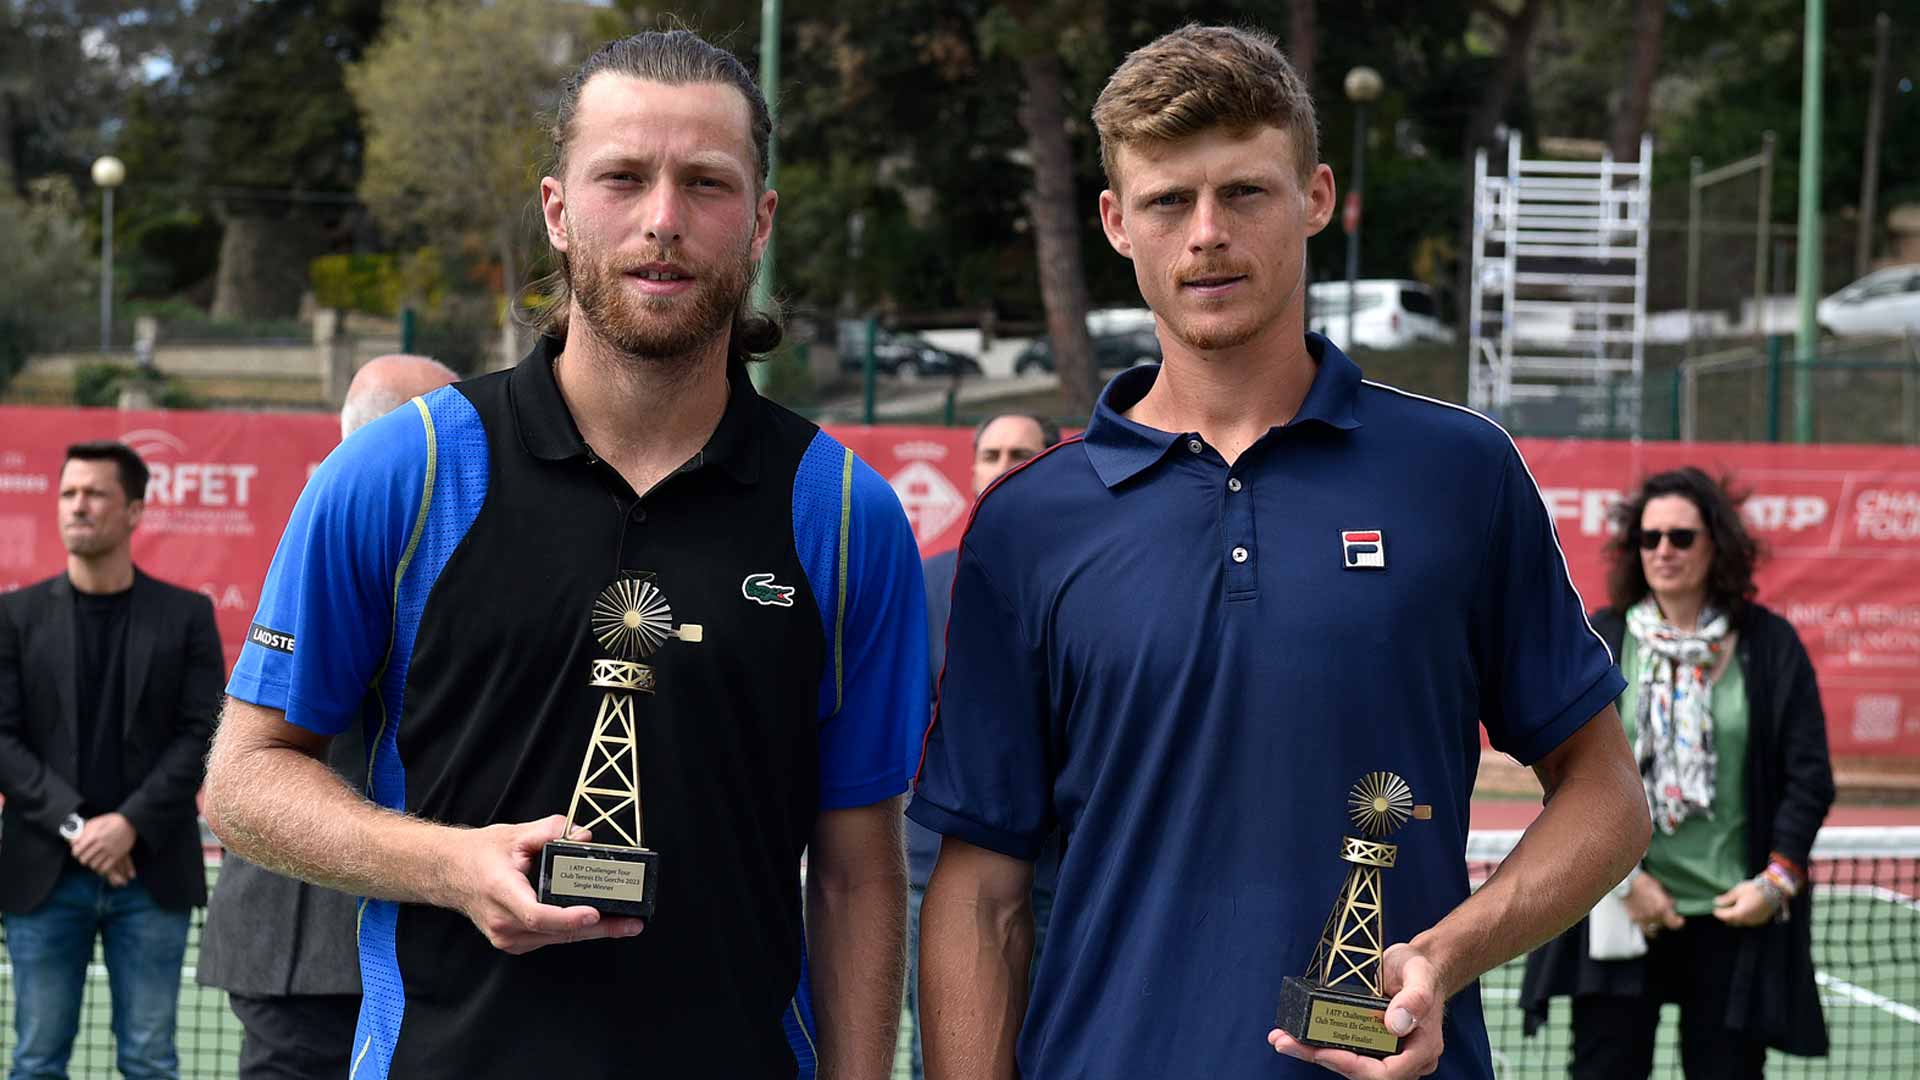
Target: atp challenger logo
[(760, 589)]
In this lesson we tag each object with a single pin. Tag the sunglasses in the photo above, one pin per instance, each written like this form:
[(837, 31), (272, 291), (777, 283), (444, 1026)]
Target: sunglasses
[(1682, 538)]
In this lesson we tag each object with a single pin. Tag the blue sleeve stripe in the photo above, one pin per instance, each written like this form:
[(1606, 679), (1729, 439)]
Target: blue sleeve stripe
[(840, 616), (822, 509), (455, 482), (798, 1023), (384, 1002), (399, 575)]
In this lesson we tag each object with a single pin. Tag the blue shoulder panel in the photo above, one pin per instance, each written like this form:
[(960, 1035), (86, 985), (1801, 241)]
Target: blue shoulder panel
[(456, 487), (320, 634), (821, 507), (861, 560)]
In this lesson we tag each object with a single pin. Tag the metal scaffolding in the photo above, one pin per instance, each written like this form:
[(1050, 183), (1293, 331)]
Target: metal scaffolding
[(1557, 315)]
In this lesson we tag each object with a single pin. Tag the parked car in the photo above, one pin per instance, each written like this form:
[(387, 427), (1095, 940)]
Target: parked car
[(896, 353), (1386, 314), (1110, 352), (1884, 302)]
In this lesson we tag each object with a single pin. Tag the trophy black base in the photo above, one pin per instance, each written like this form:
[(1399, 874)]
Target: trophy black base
[(1323, 1016), (612, 879)]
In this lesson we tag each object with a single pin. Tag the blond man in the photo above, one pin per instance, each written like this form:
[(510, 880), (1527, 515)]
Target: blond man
[(1181, 638)]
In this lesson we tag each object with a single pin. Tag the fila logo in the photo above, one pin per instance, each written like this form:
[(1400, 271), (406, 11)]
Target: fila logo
[(1364, 550), (760, 589)]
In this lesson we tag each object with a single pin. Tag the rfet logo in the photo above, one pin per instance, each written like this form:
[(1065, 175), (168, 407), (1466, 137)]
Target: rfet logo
[(192, 498), (1364, 549), (189, 483)]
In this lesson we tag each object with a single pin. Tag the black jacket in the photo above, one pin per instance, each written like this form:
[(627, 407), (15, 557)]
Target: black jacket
[(1789, 788), (173, 673)]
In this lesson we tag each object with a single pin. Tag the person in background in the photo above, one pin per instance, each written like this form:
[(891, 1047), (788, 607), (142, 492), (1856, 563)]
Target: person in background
[(109, 681), (1725, 720), (385, 383), (1000, 444), (284, 950)]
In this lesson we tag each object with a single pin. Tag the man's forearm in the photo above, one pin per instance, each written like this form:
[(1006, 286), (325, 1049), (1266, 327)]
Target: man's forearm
[(290, 813), (974, 955), (1591, 831), (857, 955)]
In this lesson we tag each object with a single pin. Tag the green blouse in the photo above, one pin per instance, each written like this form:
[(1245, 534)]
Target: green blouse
[(1705, 856)]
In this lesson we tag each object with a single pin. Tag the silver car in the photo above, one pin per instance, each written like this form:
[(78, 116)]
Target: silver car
[(1884, 303)]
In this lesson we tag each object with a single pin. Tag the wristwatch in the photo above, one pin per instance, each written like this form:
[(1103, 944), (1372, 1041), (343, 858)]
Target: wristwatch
[(70, 827)]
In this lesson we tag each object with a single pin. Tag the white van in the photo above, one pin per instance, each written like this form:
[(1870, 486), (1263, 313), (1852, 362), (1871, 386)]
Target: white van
[(1387, 314)]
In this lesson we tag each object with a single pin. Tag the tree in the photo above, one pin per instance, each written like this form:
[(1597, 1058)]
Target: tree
[(1033, 32), (49, 284), (274, 146), (1630, 121), (449, 97)]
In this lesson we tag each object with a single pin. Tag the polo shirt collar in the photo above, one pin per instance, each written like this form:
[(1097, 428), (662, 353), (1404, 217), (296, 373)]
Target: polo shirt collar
[(548, 432), (1121, 449)]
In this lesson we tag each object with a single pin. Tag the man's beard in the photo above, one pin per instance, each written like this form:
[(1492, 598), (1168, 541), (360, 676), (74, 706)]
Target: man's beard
[(664, 328)]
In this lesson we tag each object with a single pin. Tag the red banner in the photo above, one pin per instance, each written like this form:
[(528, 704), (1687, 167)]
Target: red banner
[(1841, 524), (1841, 531)]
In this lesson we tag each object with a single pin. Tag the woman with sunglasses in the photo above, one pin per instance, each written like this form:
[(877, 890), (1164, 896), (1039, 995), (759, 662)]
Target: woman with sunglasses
[(1724, 717)]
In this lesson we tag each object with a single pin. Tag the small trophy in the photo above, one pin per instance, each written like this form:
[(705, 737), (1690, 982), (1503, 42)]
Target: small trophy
[(631, 619), (1338, 1003)]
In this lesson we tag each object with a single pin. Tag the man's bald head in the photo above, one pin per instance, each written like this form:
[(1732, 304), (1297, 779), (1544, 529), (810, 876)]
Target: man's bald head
[(385, 383)]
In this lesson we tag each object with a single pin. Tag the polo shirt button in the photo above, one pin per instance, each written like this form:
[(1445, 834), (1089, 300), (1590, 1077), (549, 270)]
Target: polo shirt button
[(1194, 446), (1233, 483), (1239, 554)]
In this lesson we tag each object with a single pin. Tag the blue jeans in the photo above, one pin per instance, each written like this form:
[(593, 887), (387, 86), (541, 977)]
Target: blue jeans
[(915, 894), (50, 948)]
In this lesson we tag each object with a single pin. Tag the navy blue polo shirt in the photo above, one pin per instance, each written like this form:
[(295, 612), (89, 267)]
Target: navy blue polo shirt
[(1184, 666), (437, 586)]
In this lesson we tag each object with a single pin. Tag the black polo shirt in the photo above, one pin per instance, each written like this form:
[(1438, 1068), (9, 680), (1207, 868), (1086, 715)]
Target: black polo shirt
[(444, 563)]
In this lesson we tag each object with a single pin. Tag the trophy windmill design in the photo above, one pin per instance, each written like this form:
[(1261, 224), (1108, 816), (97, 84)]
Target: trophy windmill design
[(1339, 1002), (631, 619)]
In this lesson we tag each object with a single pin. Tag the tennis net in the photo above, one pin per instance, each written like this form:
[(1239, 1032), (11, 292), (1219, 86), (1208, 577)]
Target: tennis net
[(1866, 945), (1866, 955)]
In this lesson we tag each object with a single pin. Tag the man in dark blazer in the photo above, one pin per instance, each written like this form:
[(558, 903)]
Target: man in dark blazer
[(108, 685), (285, 951)]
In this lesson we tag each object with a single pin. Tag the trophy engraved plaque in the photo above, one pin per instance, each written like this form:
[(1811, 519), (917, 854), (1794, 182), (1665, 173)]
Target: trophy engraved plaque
[(630, 619), (1338, 1003)]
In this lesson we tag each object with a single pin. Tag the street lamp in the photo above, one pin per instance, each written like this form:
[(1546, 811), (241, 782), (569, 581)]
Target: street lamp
[(1363, 85), (108, 173)]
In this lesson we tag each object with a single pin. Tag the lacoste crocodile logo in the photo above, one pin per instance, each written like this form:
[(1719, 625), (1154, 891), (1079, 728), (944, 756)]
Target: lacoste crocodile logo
[(761, 589)]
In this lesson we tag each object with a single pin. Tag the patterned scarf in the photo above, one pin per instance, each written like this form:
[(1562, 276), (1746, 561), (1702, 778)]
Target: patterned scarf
[(1673, 739)]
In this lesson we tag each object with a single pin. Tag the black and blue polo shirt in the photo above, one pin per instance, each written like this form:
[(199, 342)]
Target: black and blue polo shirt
[(435, 584), (1184, 666)]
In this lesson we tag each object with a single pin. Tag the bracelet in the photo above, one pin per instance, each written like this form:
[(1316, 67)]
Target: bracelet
[(1783, 878), (1776, 898)]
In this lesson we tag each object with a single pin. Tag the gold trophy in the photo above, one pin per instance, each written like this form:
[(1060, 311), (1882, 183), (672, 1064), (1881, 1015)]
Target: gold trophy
[(631, 619), (1338, 1003)]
